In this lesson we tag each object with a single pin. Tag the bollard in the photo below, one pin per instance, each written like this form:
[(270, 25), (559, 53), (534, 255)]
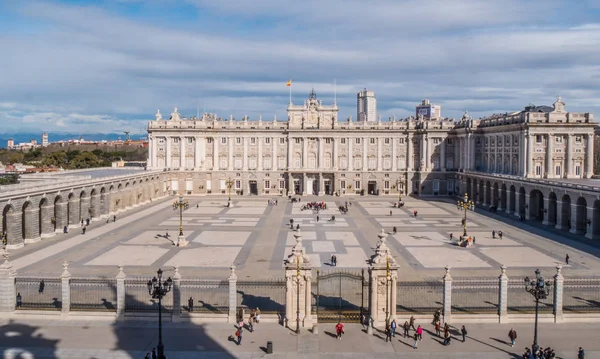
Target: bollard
[(269, 347)]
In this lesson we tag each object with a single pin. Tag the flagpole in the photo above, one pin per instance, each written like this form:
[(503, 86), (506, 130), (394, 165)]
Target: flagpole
[(334, 91), (290, 91)]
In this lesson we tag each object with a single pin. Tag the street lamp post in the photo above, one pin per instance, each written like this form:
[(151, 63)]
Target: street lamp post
[(399, 192), (465, 205), (388, 278), (298, 296), (229, 183), (540, 289), (158, 289), (182, 205)]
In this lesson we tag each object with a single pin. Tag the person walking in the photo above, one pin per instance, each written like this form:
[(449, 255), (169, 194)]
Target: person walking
[(114, 218), (463, 331), (512, 335), (500, 234), (167, 234), (412, 322), (416, 338), (394, 326), (567, 259), (580, 353), (438, 328), (388, 333), (339, 330), (406, 328), (451, 235), (191, 304), (420, 333), (446, 338), (147, 356), (493, 234), (238, 334), (317, 218), (446, 329), (153, 353), (83, 230)]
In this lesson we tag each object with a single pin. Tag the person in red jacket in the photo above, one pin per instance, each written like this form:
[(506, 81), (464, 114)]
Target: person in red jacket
[(339, 329)]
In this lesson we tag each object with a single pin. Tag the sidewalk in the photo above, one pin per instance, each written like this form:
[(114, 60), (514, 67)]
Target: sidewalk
[(86, 339)]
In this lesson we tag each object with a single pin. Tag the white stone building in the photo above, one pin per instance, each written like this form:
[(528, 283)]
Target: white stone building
[(313, 152)]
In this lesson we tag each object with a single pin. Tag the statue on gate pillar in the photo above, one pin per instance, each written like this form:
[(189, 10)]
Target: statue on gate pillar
[(383, 273), (298, 299)]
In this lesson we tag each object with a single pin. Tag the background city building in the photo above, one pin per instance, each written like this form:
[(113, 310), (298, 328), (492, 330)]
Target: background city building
[(366, 106), (428, 111)]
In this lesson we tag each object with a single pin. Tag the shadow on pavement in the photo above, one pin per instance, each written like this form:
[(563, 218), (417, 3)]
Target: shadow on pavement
[(14, 337)]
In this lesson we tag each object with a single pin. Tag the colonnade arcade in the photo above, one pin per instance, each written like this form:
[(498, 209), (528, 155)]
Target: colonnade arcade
[(564, 209), (33, 218)]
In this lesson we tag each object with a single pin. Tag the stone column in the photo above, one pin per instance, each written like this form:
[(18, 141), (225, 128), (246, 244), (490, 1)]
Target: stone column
[(65, 279), (529, 157), (8, 294), (95, 210), (197, 160), (320, 154), (409, 154), (447, 312), (60, 212), (575, 218), (365, 165), (47, 224), (545, 211), (120, 294), (549, 153), (443, 155), (274, 154), (558, 294), (176, 315), (182, 160), (500, 192), (427, 153), (231, 317), (559, 215), (508, 200), (290, 156), (74, 218), (150, 157), (589, 158), (517, 204), (168, 151), (298, 274), (304, 153), (589, 228), (32, 225), (569, 154), (526, 206), (14, 230), (216, 160), (383, 273), (503, 295)]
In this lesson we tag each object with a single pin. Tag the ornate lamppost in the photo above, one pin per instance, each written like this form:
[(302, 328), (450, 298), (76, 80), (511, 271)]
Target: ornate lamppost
[(182, 205), (158, 289), (465, 205), (388, 279), (229, 184), (540, 289), (298, 295), (398, 183)]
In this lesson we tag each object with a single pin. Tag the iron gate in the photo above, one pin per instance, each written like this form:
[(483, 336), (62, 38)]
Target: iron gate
[(340, 296)]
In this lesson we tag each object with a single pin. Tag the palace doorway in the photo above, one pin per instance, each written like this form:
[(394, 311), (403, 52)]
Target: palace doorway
[(253, 188)]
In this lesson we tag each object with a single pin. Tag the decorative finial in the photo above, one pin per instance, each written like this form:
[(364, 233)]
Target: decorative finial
[(65, 265), (503, 269)]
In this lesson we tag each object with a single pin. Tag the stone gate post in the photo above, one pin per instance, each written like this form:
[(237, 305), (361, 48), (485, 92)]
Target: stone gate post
[(8, 295), (121, 294), (231, 317), (558, 294), (298, 275), (176, 315), (503, 295), (447, 313), (65, 279), (383, 274)]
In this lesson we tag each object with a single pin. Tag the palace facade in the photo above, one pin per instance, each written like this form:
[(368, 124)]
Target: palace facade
[(314, 152)]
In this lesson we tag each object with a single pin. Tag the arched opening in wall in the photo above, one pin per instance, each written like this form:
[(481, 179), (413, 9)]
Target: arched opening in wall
[(536, 205), (503, 196), (93, 208), (26, 221), (102, 210), (43, 203), (8, 209), (522, 201), (479, 193), (56, 215), (552, 208), (581, 216), (596, 220), (565, 212), (134, 195), (83, 207), (118, 197), (69, 199), (495, 195), (488, 193), (512, 195)]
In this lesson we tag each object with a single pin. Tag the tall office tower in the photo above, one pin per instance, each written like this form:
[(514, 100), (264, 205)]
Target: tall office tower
[(428, 111), (10, 143), (366, 106), (44, 139)]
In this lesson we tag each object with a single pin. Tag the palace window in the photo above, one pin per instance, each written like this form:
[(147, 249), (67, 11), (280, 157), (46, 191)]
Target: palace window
[(209, 140), (386, 184), (161, 141), (297, 162), (238, 184), (357, 184), (267, 140), (449, 141), (436, 185), (401, 141), (328, 140), (372, 163), (558, 170), (267, 163), (372, 141), (538, 138), (538, 170), (282, 162), (223, 163), (357, 141), (253, 140), (357, 164), (327, 161), (175, 139), (281, 184), (401, 163), (312, 161), (343, 184), (267, 184), (578, 170), (343, 163), (252, 163), (558, 139), (386, 141), (282, 141), (190, 140), (343, 141), (223, 140), (578, 139), (387, 163), (297, 140), (238, 140), (436, 141), (238, 163)]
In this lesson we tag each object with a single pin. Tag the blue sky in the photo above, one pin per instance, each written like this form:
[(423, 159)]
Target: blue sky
[(106, 66)]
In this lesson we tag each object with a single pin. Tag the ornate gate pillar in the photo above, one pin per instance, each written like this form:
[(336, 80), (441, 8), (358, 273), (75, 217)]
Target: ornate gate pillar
[(383, 274), (298, 298)]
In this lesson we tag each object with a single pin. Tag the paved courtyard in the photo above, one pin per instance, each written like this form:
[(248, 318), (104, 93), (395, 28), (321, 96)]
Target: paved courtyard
[(256, 237)]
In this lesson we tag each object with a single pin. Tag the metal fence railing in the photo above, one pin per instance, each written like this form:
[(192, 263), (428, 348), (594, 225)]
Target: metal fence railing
[(521, 301), (268, 295), (475, 296), (423, 297), (581, 295), (137, 298), (207, 295), (38, 293), (93, 294)]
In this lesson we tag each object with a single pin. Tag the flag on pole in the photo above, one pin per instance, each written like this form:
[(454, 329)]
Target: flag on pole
[(289, 83)]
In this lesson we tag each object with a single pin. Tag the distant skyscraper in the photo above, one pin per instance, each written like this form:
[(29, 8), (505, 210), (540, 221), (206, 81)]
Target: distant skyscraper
[(366, 106), (10, 143), (44, 139), (428, 111)]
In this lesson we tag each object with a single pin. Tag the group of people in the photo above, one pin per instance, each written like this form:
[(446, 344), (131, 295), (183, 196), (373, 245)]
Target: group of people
[(333, 260), (254, 318), (273, 202), (315, 206)]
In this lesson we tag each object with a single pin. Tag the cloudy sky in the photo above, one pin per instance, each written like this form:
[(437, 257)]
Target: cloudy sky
[(106, 66)]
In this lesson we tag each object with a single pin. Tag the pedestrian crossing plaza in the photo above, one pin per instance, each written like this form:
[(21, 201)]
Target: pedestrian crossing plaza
[(257, 235)]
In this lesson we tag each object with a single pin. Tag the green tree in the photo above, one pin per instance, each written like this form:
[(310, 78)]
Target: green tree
[(33, 155), (16, 157), (85, 160), (55, 159), (72, 154)]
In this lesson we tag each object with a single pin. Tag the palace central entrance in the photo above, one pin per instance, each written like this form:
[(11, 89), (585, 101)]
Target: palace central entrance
[(372, 187), (253, 188)]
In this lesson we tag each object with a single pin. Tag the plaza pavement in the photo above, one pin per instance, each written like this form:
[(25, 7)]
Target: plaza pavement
[(256, 237), (83, 340)]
